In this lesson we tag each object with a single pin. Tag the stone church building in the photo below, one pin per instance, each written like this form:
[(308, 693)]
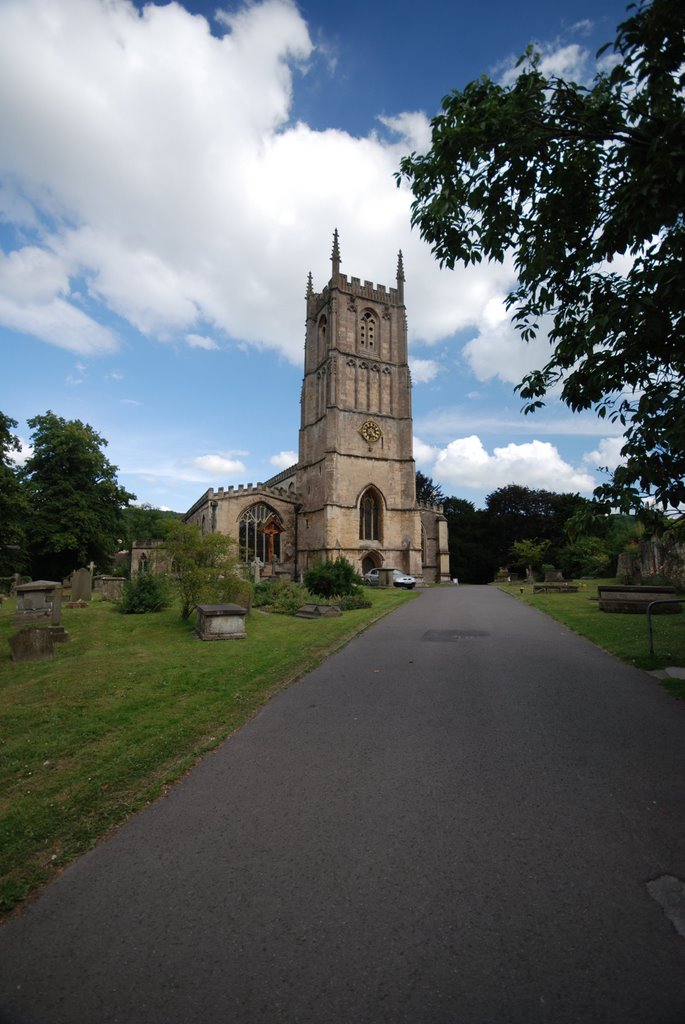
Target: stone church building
[(352, 492)]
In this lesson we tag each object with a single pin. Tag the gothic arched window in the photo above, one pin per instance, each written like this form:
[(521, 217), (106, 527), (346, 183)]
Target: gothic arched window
[(323, 327), (260, 534), (370, 515), (367, 329)]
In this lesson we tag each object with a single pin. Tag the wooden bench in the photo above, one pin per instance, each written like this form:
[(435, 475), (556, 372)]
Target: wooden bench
[(555, 588), (635, 600)]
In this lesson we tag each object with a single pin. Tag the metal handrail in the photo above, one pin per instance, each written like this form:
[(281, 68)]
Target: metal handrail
[(663, 600)]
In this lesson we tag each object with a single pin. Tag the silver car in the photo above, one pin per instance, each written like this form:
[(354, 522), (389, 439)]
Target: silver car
[(399, 578)]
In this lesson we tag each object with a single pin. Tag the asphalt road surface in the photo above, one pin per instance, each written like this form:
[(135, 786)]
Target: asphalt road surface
[(466, 816)]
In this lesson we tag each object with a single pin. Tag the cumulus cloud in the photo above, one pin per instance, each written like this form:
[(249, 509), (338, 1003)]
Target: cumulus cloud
[(19, 457), (465, 463), (221, 464), (423, 371), (497, 349), (424, 454), (284, 460), (607, 454), (413, 129), (159, 171), (568, 61)]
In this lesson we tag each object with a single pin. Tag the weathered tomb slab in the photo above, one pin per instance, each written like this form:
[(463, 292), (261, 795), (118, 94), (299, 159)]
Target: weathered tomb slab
[(221, 622)]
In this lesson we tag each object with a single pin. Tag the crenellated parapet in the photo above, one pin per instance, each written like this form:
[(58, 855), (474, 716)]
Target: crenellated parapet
[(431, 506), (238, 491), (316, 301)]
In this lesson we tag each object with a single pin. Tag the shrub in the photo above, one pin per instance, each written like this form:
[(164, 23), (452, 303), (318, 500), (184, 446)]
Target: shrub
[(358, 599), (281, 596), (332, 578), (146, 592)]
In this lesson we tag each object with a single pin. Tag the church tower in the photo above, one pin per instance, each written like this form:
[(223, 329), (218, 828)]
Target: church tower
[(356, 478)]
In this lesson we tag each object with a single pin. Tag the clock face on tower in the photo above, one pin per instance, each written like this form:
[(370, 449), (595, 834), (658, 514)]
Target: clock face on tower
[(370, 431)]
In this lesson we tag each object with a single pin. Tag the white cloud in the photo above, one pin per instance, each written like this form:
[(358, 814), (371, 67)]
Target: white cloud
[(413, 129), (129, 401), (19, 457), (465, 463), (284, 460), (498, 351), (424, 454), (199, 341), (58, 323), (607, 454), (217, 465), (181, 197), (570, 62), (423, 370)]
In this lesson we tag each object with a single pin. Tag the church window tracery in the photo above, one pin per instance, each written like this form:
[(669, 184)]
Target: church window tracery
[(323, 327), (367, 329), (260, 534), (370, 515)]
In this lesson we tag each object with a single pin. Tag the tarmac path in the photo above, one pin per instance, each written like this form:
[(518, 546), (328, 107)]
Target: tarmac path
[(468, 815)]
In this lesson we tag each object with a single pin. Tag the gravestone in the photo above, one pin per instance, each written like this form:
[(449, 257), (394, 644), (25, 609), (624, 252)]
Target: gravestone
[(318, 611), (110, 588), (81, 585), (31, 644), (39, 601)]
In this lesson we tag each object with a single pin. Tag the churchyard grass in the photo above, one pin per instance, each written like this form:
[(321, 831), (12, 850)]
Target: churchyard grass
[(621, 634), (124, 709)]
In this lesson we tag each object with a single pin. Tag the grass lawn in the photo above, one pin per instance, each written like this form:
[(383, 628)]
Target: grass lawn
[(624, 635), (125, 708)]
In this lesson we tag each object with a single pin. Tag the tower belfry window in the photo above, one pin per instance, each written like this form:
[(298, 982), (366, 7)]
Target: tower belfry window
[(367, 329)]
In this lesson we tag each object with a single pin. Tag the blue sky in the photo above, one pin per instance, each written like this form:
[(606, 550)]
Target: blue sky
[(170, 173)]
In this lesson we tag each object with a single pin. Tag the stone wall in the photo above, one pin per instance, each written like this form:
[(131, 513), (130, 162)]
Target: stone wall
[(664, 557)]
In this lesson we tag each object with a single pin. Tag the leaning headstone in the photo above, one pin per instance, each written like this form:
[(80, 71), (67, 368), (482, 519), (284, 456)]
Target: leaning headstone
[(81, 585), (31, 644)]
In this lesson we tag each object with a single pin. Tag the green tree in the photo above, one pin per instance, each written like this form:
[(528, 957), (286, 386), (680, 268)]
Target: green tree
[(585, 556), (531, 554), (517, 513), (74, 499), (146, 522), (472, 559), (427, 491), (145, 592), (12, 503), (206, 567), (567, 178)]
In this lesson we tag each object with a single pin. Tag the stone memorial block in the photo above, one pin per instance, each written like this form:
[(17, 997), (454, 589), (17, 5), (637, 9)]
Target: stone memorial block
[(31, 644), (318, 611), (110, 587), (38, 601), (81, 585), (220, 622)]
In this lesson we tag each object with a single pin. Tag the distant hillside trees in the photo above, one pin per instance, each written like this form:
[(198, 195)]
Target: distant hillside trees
[(523, 530)]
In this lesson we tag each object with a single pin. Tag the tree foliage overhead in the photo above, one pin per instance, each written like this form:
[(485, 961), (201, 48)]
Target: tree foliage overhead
[(74, 500), (568, 178)]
